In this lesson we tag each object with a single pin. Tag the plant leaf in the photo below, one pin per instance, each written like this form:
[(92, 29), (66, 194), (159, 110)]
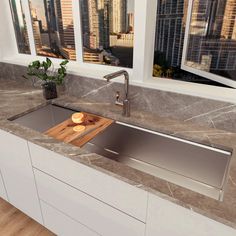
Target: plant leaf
[(63, 63), (49, 62)]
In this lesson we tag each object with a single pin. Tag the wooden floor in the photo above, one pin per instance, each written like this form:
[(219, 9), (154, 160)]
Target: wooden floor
[(15, 223)]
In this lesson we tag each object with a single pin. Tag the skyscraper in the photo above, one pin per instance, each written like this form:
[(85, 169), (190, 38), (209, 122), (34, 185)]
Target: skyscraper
[(213, 48), (211, 44), (118, 16), (36, 28), (170, 29), (95, 23), (67, 23), (229, 22)]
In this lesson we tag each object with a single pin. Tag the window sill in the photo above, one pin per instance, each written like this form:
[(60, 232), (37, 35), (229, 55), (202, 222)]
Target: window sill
[(98, 71)]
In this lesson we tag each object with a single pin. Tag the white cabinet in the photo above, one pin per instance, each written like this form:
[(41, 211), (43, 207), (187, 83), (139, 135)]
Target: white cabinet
[(3, 193), (114, 192), (18, 175), (168, 219), (92, 213), (63, 225)]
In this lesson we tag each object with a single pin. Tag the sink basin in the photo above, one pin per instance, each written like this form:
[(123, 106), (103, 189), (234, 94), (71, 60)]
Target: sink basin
[(191, 165), (44, 118)]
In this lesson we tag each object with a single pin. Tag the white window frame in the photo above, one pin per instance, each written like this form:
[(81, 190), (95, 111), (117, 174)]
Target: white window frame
[(144, 40)]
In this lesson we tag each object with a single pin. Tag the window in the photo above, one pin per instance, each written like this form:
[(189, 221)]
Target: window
[(53, 30), (211, 45), (19, 22), (195, 40), (108, 31)]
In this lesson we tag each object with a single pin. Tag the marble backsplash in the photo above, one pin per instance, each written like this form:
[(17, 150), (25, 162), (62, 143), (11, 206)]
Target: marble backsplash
[(189, 109)]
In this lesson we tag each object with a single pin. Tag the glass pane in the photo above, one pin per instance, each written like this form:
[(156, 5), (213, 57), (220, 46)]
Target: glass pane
[(53, 28), (108, 31), (18, 18), (212, 37), (169, 41)]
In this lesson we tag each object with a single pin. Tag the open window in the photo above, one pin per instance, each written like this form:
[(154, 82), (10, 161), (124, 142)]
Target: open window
[(210, 40)]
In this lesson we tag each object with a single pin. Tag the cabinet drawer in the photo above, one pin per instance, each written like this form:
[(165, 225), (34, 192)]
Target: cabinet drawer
[(61, 224), (90, 212), (108, 189)]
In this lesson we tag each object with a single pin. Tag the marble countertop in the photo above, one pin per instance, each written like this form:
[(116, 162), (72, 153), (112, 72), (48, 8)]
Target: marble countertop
[(19, 97)]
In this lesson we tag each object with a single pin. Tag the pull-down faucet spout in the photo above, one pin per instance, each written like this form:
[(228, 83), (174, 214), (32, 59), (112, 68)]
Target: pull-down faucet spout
[(126, 102)]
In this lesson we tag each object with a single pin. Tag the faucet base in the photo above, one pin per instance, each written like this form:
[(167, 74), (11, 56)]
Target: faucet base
[(126, 108)]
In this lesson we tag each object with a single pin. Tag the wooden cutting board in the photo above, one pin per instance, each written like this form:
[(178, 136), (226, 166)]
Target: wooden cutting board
[(93, 126)]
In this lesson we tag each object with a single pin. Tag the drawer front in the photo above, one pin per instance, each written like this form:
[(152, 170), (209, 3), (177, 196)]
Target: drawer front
[(90, 212), (61, 224), (2, 189), (108, 189)]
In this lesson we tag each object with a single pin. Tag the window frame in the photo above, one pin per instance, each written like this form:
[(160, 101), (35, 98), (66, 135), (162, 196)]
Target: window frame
[(144, 41)]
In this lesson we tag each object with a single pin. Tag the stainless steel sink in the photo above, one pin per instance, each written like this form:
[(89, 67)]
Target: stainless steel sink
[(194, 166), (44, 118)]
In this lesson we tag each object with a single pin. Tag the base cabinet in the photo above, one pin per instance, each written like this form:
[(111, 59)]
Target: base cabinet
[(3, 193), (169, 219), (17, 174), (88, 211)]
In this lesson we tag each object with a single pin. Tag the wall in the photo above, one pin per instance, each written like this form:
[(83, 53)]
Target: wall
[(192, 109)]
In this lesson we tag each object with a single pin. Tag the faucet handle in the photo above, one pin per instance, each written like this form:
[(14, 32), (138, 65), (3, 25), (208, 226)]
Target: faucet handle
[(117, 96), (118, 102)]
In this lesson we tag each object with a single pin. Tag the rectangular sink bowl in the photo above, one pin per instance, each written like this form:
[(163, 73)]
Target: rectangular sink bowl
[(194, 166)]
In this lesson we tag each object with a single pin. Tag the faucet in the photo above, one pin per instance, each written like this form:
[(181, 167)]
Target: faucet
[(126, 102)]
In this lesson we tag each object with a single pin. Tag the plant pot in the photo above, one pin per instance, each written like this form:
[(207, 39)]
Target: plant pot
[(49, 90)]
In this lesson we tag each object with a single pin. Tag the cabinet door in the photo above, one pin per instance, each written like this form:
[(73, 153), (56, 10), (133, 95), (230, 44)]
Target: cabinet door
[(2, 189), (18, 175), (167, 218)]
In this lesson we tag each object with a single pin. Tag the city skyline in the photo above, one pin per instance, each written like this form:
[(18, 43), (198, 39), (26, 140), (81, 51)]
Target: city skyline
[(53, 28), (107, 28)]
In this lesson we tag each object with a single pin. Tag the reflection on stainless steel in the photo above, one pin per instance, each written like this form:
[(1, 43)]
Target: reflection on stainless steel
[(126, 102), (44, 118), (197, 167), (194, 166)]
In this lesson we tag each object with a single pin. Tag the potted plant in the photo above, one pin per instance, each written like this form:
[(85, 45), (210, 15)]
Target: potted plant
[(48, 76)]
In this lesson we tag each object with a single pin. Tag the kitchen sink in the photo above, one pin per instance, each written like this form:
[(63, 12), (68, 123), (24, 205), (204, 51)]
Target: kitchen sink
[(44, 118), (198, 167)]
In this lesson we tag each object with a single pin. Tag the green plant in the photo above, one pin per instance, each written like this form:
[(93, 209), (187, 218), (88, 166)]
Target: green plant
[(45, 71)]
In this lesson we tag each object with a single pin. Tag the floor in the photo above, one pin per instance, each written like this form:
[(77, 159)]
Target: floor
[(15, 223)]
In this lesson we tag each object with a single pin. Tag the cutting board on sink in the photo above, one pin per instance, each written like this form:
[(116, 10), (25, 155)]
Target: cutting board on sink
[(93, 125)]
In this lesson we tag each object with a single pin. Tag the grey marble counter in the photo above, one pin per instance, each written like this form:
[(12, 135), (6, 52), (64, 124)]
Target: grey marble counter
[(19, 97)]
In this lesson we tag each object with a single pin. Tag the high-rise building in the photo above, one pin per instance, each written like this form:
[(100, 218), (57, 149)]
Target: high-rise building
[(170, 28), (229, 21), (212, 48), (211, 45), (95, 23), (118, 16), (130, 22), (36, 28), (67, 23)]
